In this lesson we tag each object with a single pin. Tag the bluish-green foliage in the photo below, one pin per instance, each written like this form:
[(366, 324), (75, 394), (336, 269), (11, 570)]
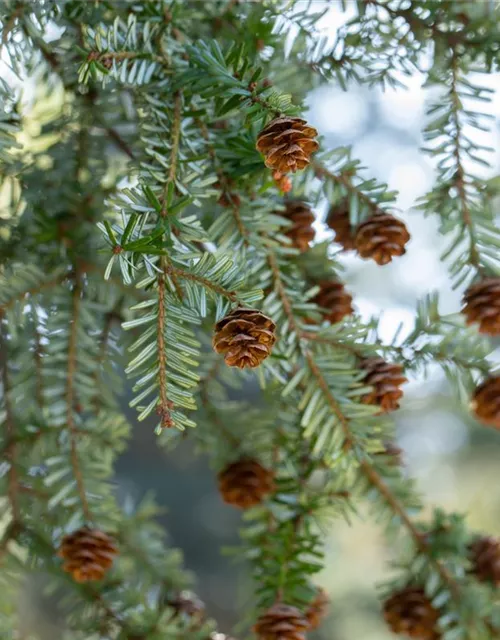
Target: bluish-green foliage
[(118, 247)]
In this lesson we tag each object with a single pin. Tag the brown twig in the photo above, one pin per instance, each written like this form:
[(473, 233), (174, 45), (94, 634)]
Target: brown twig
[(102, 56), (208, 284), (459, 177), (10, 430), (165, 405), (224, 183), (33, 291), (343, 179), (37, 356), (10, 24), (70, 398), (119, 141)]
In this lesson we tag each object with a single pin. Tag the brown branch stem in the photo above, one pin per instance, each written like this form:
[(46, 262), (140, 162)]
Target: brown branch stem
[(459, 178), (33, 291), (321, 172), (208, 284), (10, 430), (70, 398), (224, 183), (37, 356), (164, 405)]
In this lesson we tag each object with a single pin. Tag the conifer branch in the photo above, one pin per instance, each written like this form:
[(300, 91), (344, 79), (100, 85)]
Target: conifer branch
[(344, 179), (70, 399), (418, 538), (10, 432), (459, 178), (33, 291), (165, 404), (37, 356), (205, 282), (224, 183), (350, 443)]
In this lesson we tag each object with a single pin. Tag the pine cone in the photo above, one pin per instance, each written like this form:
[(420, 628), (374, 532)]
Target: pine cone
[(87, 554), (282, 181), (336, 301), (338, 220), (318, 609), (245, 337), (301, 231), (281, 622), (410, 612), (482, 305), (486, 402), (381, 237), (287, 144), (485, 558), (385, 378), (245, 483), (188, 604)]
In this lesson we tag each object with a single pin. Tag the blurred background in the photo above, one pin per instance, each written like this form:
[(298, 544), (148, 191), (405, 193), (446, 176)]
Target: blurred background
[(454, 459)]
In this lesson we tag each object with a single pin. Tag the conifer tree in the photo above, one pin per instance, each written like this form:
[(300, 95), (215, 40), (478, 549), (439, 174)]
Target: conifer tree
[(161, 215)]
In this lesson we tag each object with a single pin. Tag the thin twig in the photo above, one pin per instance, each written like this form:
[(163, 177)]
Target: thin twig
[(37, 356), (122, 55), (8, 26), (459, 177), (10, 430), (224, 183), (208, 284), (34, 291), (165, 405), (321, 172), (70, 398), (396, 506)]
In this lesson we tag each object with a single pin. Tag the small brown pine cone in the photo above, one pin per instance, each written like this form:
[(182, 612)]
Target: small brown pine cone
[(334, 299), (188, 604), (245, 337), (287, 144), (281, 622), (245, 483), (317, 610), (485, 559), (381, 237), (482, 305), (411, 613), (301, 232), (282, 181), (87, 554), (338, 220), (486, 402), (385, 378)]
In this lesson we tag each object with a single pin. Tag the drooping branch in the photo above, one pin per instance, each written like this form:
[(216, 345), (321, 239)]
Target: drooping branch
[(351, 444)]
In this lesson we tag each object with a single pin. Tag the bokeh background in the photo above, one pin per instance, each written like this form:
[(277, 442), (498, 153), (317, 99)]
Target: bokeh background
[(455, 460)]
